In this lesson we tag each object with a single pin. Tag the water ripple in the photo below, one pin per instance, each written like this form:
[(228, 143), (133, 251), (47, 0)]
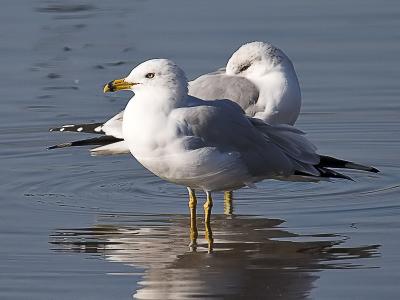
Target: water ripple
[(278, 261)]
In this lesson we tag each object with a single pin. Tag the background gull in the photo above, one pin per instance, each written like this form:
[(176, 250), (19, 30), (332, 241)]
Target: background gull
[(259, 77), (208, 145)]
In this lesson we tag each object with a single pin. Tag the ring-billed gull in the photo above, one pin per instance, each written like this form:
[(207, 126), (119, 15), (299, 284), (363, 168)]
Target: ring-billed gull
[(258, 76), (208, 145)]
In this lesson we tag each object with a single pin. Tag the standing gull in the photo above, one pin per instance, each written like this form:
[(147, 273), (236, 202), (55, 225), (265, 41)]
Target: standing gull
[(208, 145), (258, 76)]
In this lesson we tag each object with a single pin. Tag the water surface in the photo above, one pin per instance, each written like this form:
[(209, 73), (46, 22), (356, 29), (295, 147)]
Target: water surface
[(74, 226)]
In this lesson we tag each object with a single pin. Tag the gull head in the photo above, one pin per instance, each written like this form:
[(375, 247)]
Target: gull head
[(154, 73), (255, 59)]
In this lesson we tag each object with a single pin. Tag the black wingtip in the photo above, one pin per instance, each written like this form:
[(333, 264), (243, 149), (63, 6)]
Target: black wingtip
[(346, 177), (333, 174), (354, 166), (331, 162), (102, 140), (325, 173), (81, 128)]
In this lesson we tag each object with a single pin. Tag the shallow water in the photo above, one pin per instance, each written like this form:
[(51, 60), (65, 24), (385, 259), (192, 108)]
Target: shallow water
[(74, 226)]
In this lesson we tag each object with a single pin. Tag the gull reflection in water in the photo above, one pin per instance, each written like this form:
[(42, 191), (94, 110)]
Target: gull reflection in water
[(252, 258)]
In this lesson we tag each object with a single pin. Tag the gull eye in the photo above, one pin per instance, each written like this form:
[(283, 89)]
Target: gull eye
[(150, 75), (244, 68)]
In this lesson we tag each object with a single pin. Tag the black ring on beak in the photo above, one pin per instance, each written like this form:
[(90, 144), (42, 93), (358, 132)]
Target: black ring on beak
[(111, 86)]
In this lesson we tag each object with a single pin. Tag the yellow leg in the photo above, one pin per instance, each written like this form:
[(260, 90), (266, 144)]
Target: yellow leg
[(207, 217), (209, 237), (207, 208), (228, 203), (193, 223)]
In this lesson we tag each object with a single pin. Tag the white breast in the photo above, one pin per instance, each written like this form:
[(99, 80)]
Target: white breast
[(280, 97), (154, 140)]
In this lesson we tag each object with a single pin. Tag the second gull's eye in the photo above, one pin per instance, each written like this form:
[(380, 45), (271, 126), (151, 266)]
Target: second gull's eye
[(244, 68), (150, 75)]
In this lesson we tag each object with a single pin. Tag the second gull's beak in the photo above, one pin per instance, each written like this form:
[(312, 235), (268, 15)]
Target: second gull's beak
[(117, 85)]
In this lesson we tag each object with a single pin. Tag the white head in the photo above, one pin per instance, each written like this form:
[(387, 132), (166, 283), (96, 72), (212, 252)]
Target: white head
[(273, 73), (256, 59), (154, 74)]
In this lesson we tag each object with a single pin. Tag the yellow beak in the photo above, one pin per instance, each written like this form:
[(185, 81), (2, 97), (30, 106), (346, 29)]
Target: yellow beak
[(117, 85)]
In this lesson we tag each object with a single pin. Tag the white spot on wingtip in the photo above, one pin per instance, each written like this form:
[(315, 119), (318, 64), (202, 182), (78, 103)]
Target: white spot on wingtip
[(68, 125), (80, 129), (62, 129), (97, 129)]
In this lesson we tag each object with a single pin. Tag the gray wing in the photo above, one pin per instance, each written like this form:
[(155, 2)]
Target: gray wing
[(266, 151), (218, 85)]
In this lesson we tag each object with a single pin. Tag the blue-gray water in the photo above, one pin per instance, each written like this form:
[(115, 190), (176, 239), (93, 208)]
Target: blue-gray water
[(79, 227)]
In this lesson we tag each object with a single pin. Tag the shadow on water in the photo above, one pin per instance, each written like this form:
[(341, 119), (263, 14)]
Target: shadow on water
[(253, 257), (64, 8)]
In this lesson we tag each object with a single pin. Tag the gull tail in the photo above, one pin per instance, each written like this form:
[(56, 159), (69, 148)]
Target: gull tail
[(324, 173), (103, 140), (111, 149), (331, 162), (87, 128)]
